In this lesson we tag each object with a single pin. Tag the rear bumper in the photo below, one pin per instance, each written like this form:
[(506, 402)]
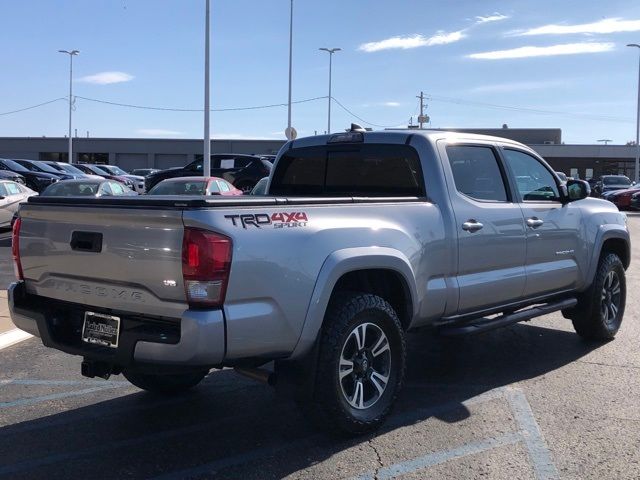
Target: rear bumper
[(195, 339)]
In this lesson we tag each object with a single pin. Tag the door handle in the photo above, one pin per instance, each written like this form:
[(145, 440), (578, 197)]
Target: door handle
[(472, 225), (534, 222)]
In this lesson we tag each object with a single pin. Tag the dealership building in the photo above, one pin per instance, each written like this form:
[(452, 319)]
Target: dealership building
[(583, 161)]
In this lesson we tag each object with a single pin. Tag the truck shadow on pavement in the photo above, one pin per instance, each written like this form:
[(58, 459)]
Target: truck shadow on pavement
[(230, 427)]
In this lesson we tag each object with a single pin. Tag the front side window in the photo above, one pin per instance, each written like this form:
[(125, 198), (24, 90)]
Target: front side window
[(224, 186), (476, 172), (534, 182)]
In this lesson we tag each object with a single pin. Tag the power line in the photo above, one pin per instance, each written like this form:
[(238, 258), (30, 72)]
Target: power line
[(362, 119), (589, 116), (33, 106), (171, 109)]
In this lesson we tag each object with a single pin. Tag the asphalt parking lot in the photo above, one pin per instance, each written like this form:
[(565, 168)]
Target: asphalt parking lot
[(529, 401)]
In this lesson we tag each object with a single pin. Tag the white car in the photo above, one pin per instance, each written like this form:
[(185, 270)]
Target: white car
[(12, 194)]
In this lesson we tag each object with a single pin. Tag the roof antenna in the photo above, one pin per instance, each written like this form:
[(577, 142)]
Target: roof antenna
[(356, 128)]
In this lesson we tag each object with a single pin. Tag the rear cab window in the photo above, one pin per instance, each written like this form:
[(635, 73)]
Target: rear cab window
[(365, 170)]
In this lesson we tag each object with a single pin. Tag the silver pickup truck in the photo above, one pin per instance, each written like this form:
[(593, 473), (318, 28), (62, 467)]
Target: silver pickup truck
[(362, 237)]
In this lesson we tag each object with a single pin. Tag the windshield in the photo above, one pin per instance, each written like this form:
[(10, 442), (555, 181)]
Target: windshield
[(181, 187), (71, 169), (96, 170), (15, 166), (113, 170), (43, 167), (621, 180), (65, 189)]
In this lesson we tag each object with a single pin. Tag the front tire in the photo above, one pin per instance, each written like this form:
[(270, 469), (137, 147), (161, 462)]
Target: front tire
[(360, 366), (164, 384), (600, 309)]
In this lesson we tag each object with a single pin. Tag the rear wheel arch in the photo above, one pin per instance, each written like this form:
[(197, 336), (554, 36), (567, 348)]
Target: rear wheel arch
[(383, 282)]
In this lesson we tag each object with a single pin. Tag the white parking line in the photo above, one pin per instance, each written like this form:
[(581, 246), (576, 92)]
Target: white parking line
[(12, 337)]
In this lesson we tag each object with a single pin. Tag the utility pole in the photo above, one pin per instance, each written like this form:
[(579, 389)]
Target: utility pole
[(422, 118), (71, 53)]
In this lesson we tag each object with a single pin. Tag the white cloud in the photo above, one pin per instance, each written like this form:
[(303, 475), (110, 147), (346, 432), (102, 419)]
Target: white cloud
[(413, 41), (391, 104), (518, 86), (608, 25), (552, 50), (158, 132), (106, 78), (495, 17)]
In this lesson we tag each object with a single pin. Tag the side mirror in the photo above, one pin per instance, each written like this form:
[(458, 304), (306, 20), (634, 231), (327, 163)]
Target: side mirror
[(577, 190)]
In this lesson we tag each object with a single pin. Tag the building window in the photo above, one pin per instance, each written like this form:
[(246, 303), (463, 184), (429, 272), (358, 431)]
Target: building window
[(574, 173), (99, 158), (54, 156), (589, 173)]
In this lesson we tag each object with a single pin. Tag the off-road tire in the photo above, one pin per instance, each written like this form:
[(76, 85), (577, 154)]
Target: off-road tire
[(588, 316), (164, 384), (330, 408)]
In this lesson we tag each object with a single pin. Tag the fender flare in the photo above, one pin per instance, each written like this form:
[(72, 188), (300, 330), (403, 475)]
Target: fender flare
[(334, 267), (605, 232)]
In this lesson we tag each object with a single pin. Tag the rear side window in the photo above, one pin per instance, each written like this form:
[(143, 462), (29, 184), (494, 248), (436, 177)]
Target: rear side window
[(367, 170), (476, 172), (3, 190)]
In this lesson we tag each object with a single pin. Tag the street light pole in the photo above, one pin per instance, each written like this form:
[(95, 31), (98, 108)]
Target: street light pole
[(331, 51), (206, 157), (71, 54), (637, 165)]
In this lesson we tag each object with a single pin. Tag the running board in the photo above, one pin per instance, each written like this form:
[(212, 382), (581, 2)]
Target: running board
[(480, 325)]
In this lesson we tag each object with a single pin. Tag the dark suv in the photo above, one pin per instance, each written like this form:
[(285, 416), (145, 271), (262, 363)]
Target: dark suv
[(243, 171), (37, 181)]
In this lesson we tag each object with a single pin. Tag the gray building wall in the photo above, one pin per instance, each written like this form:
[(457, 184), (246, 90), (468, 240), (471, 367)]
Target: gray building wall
[(129, 153)]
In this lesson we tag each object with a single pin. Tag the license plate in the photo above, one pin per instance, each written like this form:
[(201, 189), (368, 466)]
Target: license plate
[(101, 329)]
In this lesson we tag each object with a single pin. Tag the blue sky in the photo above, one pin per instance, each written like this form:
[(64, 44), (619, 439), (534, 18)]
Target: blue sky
[(566, 60)]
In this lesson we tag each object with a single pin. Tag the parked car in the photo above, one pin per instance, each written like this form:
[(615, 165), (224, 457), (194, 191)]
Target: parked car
[(261, 187), (12, 194), (195, 186), (36, 181), (138, 181), (368, 236), (36, 166), (13, 176), (93, 169), (562, 176), (88, 187), (242, 171), (64, 167), (621, 198), (143, 172), (608, 183)]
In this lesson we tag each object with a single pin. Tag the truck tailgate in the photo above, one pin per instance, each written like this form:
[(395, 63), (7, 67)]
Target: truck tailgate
[(117, 258)]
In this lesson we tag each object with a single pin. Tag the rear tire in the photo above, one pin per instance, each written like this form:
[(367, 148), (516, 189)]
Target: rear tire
[(361, 364), (600, 309), (164, 384)]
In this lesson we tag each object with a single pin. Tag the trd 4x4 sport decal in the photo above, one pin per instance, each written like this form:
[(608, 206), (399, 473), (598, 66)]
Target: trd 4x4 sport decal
[(277, 220)]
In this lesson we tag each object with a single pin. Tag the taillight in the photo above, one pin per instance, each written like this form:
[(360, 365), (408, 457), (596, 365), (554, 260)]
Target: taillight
[(206, 262), (15, 249)]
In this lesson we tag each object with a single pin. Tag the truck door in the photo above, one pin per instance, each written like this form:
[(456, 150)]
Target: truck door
[(489, 226), (553, 236)]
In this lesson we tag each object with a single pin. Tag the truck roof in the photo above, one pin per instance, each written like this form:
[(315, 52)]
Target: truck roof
[(400, 136)]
